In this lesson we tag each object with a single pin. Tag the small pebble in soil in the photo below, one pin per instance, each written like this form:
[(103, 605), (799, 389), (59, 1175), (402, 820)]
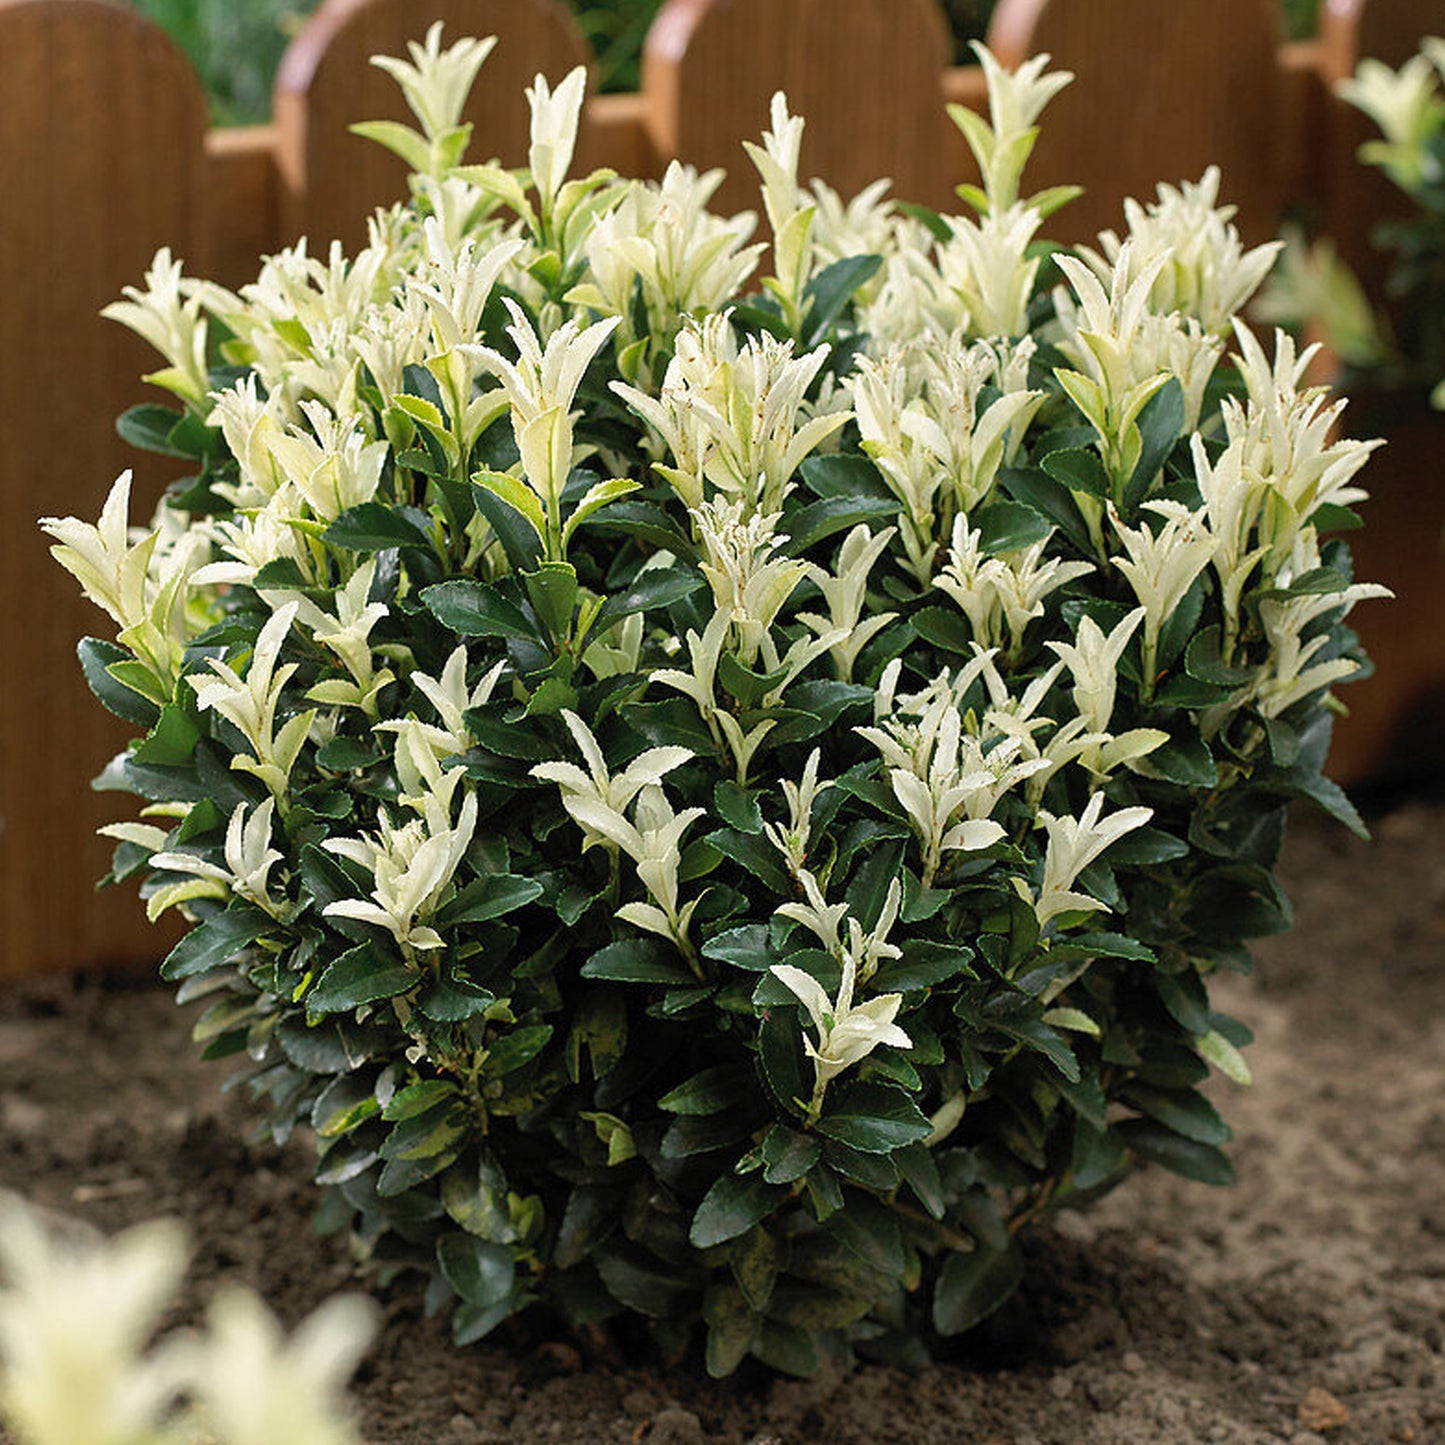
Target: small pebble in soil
[(638, 1404), (675, 1426), (1320, 1410)]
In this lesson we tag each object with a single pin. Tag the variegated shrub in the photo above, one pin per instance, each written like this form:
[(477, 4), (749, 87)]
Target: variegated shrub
[(718, 798)]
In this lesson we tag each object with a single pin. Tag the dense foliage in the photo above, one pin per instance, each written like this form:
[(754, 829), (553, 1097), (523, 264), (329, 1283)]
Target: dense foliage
[(720, 806)]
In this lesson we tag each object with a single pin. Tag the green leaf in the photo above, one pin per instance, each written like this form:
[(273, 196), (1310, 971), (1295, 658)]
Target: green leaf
[(654, 589), (516, 529), (757, 855), (1079, 469), (816, 521), (646, 522), (1181, 1110), (731, 1326), (1005, 526), (780, 1055), (1036, 489), (710, 1092), (844, 474), (474, 609), (1160, 425), (489, 897), (873, 1118), (671, 722), (149, 427), (417, 1099), (745, 947), (737, 807), (787, 1154), (1185, 759), (453, 1000), (1203, 1163), (597, 496), (730, 1208), (944, 627), (755, 1266), (359, 976), (514, 1049), (646, 1288), (481, 1273), (216, 941), (972, 1286), (374, 527), (97, 659), (923, 965), (638, 960), (1098, 1156), (830, 290), (172, 741), (1202, 660)]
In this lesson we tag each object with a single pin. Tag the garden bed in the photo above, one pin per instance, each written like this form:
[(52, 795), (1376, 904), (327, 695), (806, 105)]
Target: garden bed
[(1306, 1304)]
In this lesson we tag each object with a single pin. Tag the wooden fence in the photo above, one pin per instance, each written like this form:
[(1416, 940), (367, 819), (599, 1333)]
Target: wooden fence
[(105, 155)]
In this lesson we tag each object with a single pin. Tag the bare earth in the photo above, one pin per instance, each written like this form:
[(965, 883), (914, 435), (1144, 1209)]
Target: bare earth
[(1306, 1305)]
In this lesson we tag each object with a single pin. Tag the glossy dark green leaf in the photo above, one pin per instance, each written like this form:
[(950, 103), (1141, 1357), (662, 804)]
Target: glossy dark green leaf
[(96, 659), (817, 521), (825, 296), (638, 960), (1079, 469), (216, 941), (1203, 1163), (489, 897), (1160, 425), (788, 1154), (730, 1208), (731, 1327), (872, 1118), (711, 1091), (972, 1286), (1182, 1110), (1005, 526), (844, 474), (655, 589), (480, 1272), (149, 427), (361, 975), (374, 526)]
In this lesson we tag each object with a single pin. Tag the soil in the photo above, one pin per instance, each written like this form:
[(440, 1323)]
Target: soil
[(1305, 1306)]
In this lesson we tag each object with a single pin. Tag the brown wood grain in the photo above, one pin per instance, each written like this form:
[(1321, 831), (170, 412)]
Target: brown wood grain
[(866, 74), (332, 180), (1162, 90), (100, 163)]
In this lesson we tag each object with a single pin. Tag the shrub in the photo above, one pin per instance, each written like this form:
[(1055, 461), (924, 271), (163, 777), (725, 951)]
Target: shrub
[(716, 807)]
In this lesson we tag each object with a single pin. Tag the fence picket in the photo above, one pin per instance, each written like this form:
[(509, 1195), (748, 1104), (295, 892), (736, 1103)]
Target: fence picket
[(867, 75), (332, 180), (100, 163), (1162, 91)]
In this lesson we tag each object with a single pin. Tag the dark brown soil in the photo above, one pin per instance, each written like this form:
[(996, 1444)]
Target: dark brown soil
[(1305, 1305)]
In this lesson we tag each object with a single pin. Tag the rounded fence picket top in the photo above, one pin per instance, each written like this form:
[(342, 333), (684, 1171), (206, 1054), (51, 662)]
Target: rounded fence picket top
[(1161, 92), (333, 180)]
